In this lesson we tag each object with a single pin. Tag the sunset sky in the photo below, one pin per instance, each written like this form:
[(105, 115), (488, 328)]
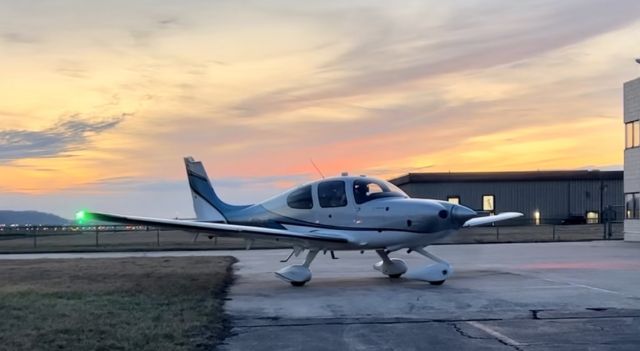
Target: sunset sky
[(100, 100)]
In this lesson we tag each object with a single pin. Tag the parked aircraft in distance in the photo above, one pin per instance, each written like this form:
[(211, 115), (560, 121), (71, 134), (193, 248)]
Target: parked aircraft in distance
[(339, 213)]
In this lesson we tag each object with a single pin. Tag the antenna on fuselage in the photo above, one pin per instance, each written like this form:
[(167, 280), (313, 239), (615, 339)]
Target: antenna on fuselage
[(316, 167)]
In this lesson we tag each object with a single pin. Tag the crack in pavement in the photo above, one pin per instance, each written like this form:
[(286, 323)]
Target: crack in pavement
[(459, 330), (499, 337)]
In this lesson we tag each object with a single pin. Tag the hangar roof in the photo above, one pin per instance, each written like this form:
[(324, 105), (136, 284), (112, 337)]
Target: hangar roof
[(507, 176)]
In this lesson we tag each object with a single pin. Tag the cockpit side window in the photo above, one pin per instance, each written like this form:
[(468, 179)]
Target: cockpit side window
[(301, 198), (332, 193), (368, 189)]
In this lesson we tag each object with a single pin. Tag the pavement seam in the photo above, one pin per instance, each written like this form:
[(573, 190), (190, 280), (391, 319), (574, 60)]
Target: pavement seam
[(347, 321), (356, 322)]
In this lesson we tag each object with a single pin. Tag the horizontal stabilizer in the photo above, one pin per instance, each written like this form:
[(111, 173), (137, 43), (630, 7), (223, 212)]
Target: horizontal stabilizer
[(491, 219)]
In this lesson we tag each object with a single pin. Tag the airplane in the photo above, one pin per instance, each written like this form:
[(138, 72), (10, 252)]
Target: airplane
[(339, 213)]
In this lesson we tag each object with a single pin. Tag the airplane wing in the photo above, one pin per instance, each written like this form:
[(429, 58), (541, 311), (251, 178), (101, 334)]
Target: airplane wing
[(491, 219), (224, 229)]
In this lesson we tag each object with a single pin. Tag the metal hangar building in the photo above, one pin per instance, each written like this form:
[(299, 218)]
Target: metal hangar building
[(544, 197)]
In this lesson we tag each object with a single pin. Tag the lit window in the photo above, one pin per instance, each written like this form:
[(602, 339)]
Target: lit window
[(632, 134), (629, 135), (454, 199), (536, 217), (488, 203), (592, 217)]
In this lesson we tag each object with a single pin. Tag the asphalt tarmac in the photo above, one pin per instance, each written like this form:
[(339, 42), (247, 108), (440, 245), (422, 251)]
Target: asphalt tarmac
[(551, 296), (546, 296)]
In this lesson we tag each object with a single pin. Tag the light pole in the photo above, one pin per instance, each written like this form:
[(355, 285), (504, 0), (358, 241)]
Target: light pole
[(601, 219)]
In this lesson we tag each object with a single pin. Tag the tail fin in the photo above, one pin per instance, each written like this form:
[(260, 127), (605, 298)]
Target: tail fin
[(206, 203)]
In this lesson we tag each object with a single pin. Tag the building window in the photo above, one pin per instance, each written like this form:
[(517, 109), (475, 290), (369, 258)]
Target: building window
[(536, 217), (332, 194), (454, 199), (593, 217), (632, 134), (632, 205), (488, 203), (301, 198)]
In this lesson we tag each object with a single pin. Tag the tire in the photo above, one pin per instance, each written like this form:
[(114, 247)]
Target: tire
[(439, 282), (395, 276), (298, 283)]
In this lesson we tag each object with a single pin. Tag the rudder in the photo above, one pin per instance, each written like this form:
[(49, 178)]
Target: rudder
[(206, 203)]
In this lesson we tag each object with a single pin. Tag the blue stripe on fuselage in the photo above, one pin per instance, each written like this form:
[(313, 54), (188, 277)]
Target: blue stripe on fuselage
[(259, 216)]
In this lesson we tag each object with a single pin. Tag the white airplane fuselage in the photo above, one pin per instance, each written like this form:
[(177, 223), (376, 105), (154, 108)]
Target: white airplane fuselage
[(374, 213)]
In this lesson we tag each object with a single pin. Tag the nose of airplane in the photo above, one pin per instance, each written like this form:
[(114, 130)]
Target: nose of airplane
[(461, 214)]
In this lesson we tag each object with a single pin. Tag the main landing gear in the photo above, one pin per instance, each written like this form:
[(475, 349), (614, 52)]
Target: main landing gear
[(393, 267), (298, 275), (435, 274)]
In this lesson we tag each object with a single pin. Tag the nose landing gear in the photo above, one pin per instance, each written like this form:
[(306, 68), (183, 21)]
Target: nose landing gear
[(436, 273)]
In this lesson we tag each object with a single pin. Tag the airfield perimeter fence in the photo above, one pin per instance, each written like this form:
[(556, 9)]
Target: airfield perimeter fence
[(111, 238), (123, 238)]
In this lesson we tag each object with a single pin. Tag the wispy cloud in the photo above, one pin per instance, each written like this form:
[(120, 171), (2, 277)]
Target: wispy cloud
[(64, 137), (128, 183), (478, 36), (19, 38)]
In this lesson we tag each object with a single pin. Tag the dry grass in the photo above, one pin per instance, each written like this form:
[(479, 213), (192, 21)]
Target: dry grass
[(113, 304)]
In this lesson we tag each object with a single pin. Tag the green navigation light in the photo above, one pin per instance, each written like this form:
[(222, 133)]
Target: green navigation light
[(81, 216)]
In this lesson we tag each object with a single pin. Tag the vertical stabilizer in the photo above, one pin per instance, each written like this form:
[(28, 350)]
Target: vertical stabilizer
[(206, 203)]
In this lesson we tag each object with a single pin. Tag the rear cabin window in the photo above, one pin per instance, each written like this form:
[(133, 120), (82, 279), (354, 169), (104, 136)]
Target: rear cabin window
[(332, 194), (301, 198)]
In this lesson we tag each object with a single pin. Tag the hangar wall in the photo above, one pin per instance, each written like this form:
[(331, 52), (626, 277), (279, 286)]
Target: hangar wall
[(553, 195)]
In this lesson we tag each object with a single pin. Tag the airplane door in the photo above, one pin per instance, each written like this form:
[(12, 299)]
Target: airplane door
[(334, 205)]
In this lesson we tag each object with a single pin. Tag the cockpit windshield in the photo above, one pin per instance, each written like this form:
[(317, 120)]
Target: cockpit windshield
[(370, 189)]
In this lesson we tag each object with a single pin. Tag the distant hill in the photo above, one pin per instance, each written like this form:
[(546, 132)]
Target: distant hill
[(31, 217)]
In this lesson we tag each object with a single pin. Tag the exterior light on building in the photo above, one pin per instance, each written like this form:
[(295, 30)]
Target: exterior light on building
[(593, 217), (536, 217)]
